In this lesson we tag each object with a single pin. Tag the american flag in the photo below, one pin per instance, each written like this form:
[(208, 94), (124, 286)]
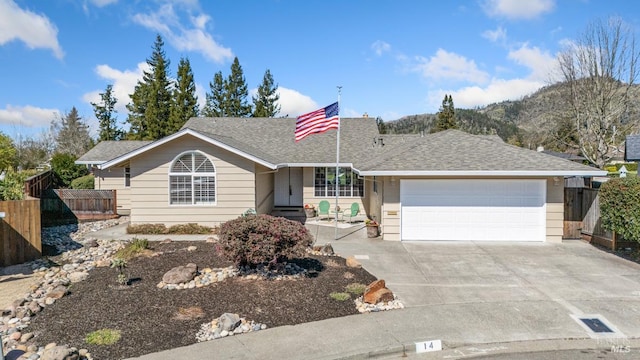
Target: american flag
[(317, 122)]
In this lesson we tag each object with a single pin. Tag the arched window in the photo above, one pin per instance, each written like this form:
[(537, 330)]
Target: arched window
[(192, 180)]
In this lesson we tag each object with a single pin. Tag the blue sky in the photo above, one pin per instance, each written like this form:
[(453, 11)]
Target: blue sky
[(392, 58)]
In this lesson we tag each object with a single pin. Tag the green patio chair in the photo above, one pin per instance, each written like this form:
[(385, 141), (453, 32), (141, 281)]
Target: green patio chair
[(353, 212), (323, 209)]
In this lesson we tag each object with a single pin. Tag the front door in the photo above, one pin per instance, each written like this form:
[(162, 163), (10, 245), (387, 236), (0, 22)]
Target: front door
[(288, 187)]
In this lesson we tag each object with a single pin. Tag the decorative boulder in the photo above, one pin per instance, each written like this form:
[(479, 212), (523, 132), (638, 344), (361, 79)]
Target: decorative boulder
[(377, 292), (229, 322), (353, 263), (61, 352), (326, 249), (180, 274)]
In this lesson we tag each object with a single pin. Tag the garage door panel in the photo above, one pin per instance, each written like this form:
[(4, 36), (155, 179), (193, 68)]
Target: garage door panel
[(497, 210)]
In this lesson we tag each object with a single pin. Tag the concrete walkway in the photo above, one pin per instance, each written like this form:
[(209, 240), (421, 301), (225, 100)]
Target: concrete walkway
[(477, 298)]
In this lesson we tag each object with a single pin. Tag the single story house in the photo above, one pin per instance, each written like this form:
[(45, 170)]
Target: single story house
[(448, 185)]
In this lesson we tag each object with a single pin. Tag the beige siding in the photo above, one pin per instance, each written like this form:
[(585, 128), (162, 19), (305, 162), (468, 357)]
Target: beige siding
[(113, 179), (555, 209), (344, 202), (390, 224), (391, 209), (264, 189), (235, 186)]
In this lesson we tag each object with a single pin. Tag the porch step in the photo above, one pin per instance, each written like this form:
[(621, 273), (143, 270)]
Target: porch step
[(291, 213)]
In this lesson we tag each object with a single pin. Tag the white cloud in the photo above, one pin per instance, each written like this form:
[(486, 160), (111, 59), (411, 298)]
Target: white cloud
[(102, 3), (380, 47), (195, 38), (518, 9), (472, 96), (124, 83), (292, 103), (450, 66), (542, 64), (36, 31), (28, 116), (496, 35)]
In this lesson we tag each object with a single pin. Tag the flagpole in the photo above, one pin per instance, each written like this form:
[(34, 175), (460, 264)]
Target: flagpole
[(337, 163)]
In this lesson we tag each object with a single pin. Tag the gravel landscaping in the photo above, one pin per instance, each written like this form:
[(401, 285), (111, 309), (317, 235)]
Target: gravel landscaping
[(150, 317)]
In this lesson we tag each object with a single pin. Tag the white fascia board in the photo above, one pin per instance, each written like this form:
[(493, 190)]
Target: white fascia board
[(283, 165), (88, 162), (174, 136), (515, 173)]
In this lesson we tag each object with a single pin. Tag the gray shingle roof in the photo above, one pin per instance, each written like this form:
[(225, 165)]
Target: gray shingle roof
[(567, 156), (107, 150), (454, 150), (632, 148), (272, 142), (273, 139)]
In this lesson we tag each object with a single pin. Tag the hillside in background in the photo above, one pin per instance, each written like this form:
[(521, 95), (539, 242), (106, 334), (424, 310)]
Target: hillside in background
[(529, 122)]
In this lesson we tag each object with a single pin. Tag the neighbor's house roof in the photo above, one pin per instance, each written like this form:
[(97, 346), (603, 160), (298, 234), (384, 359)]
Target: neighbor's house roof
[(108, 150), (270, 142), (632, 148), (568, 156)]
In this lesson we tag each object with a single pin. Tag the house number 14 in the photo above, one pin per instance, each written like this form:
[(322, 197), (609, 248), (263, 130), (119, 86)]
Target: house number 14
[(427, 346)]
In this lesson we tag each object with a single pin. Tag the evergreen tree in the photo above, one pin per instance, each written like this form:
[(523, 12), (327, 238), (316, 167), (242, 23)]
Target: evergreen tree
[(72, 134), (237, 93), (105, 111), (8, 152), (265, 104), (382, 127), (216, 99), (185, 101), (446, 117), (150, 105)]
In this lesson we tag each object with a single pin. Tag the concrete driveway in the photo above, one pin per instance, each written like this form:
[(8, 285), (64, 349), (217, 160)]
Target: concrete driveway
[(480, 292)]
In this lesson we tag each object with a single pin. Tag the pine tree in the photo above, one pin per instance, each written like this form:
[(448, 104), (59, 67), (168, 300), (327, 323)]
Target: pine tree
[(216, 99), (265, 103), (237, 93), (184, 102), (150, 105), (72, 134), (446, 117), (105, 111)]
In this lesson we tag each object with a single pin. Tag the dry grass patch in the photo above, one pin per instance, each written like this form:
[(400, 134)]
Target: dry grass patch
[(189, 313)]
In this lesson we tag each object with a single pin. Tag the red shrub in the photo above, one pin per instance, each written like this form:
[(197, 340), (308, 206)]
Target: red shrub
[(258, 239)]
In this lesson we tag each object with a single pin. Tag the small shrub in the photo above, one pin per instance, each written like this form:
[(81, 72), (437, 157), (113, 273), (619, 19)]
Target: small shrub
[(348, 275), (620, 207), (191, 228), (132, 249), (340, 296), (356, 288), (103, 337), (12, 186), (120, 264), (258, 239), (152, 229), (84, 182)]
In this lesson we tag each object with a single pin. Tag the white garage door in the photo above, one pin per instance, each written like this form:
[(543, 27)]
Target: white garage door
[(483, 210)]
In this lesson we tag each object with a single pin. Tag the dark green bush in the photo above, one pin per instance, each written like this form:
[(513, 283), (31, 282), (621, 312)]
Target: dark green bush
[(259, 239), (65, 170), (620, 207), (84, 182)]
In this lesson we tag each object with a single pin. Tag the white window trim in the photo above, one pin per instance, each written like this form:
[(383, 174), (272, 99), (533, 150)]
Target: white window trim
[(353, 182), (214, 175)]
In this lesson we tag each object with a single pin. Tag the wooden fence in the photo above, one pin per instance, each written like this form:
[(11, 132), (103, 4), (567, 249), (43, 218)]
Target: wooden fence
[(64, 206), (36, 185), (582, 218), (20, 239)]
